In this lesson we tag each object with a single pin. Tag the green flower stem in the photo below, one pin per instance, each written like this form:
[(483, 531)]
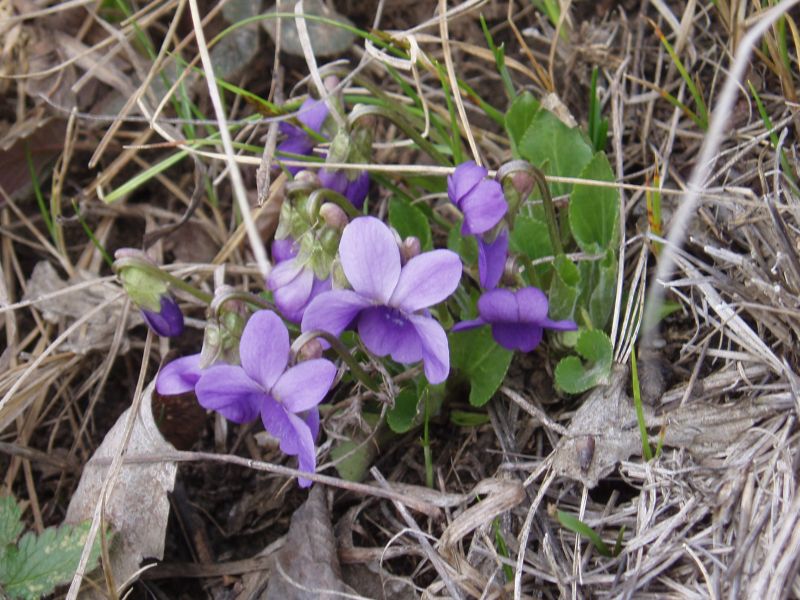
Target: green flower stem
[(219, 301), (363, 110), (317, 196), (549, 211), (342, 351), (153, 270)]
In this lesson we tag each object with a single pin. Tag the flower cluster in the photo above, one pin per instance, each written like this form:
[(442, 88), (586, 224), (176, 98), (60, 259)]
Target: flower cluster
[(517, 319), (337, 270)]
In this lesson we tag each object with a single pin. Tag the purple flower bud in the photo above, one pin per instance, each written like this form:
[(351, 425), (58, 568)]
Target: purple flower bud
[(168, 322), (355, 190), (481, 200)]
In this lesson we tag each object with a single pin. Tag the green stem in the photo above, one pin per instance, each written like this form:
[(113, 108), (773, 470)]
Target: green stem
[(343, 353), (122, 263), (407, 128), (317, 196), (549, 211)]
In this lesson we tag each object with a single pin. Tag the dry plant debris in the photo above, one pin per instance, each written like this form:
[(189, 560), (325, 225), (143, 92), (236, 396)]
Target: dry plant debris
[(110, 137)]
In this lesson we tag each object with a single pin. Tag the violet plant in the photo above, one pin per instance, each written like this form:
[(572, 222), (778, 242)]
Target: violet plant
[(382, 302)]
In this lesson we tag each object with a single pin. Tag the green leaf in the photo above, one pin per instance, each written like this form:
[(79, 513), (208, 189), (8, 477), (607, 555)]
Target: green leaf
[(518, 119), (10, 522), (464, 418), (481, 360), (593, 210), (465, 246), (409, 220), (564, 289), (353, 459), (39, 563), (574, 524), (601, 301), (531, 238), (574, 376), (555, 148), (404, 414)]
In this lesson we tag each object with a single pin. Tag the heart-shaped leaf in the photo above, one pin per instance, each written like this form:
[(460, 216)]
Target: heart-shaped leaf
[(481, 360), (575, 376)]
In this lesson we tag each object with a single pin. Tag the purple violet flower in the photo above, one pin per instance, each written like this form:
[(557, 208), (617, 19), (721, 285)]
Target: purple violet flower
[(492, 260), (168, 322), (286, 398), (481, 200), (312, 114), (388, 301), (179, 376), (355, 190), (293, 282), (518, 319)]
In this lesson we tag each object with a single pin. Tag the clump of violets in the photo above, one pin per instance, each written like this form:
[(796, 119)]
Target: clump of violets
[(517, 318), (264, 384), (388, 302)]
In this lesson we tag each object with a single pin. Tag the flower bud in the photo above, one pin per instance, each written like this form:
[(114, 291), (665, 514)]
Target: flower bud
[(410, 248), (148, 290), (168, 321), (310, 350), (333, 216)]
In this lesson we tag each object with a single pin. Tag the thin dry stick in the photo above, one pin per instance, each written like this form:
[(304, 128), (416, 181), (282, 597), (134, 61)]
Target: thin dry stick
[(451, 74), (113, 472), (705, 164), (256, 245), (311, 61), (526, 531)]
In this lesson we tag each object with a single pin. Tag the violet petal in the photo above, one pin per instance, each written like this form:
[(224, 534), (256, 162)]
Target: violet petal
[(358, 189), (532, 305), (492, 260), (283, 250), (312, 113), (565, 325), (466, 176), (333, 311), (294, 295), (370, 258), (483, 208), (517, 336), (311, 419), (435, 351), (179, 376), (385, 331), (497, 306), (465, 325), (294, 434), (228, 390), (304, 386), (426, 280), (264, 348)]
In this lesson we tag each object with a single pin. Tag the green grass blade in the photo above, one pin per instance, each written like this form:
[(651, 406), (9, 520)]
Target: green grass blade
[(647, 451)]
